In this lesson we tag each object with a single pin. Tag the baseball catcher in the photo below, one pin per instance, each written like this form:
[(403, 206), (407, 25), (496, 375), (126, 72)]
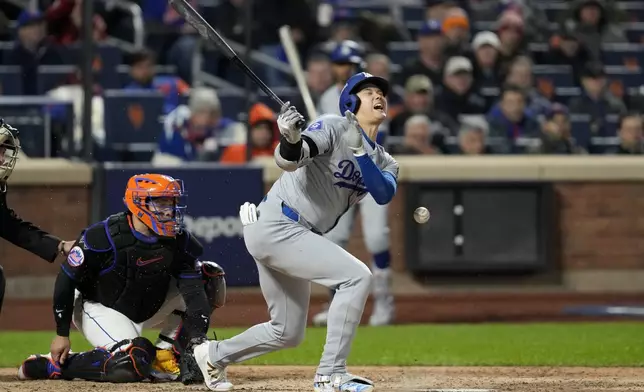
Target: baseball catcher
[(12, 228), (136, 269)]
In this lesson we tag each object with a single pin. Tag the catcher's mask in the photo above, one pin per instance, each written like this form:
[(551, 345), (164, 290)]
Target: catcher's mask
[(9, 148), (158, 201)]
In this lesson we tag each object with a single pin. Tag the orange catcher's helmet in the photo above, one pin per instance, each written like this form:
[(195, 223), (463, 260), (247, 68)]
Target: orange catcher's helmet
[(157, 200)]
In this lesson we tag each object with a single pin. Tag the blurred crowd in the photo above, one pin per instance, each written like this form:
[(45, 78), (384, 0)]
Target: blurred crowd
[(470, 76)]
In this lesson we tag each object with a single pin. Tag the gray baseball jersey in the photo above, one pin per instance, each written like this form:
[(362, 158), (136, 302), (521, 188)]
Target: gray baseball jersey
[(323, 188)]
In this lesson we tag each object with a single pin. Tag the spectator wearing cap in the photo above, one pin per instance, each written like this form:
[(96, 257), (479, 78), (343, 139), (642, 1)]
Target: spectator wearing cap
[(595, 99), (142, 75), (472, 139), (346, 60), (485, 59), (263, 136), (419, 99), (510, 120), (631, 140), (511, 32), (592, 24), (457, 94), (32, 49), (520, 74), (430, 54), (417, 137), (197, 131), (565, 48), (456, 29), (556, 138)]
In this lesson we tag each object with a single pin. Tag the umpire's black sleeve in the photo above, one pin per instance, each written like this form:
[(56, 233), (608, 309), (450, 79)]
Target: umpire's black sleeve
[(25, 234), (63, 303)]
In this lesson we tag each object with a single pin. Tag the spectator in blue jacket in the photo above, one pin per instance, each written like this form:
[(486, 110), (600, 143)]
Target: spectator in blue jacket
[(509, 120), (520, 74), (197, 131), (143, 77)]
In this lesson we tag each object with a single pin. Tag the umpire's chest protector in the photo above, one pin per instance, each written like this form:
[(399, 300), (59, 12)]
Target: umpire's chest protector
[(137, 282)]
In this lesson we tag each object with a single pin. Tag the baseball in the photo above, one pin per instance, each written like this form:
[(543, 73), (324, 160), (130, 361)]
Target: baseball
[(421, 215)]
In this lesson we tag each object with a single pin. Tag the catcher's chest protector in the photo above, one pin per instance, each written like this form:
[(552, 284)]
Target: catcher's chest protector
[(137, 281)]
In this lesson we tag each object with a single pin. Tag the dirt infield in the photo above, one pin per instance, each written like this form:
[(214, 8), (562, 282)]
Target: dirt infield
[(275, 378)]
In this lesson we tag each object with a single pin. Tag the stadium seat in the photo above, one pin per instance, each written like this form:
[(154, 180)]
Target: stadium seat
[(413, 14), (621, 78), (10, 80), (402, 52), (106, 61), (31, 116), (548, 78), (630, 55), (634, 32), (133, 120), (232, 103), (52, 76)]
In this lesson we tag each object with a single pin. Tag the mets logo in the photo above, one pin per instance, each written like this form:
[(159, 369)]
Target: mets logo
[(76, 256), (350, 177), (136, 115)]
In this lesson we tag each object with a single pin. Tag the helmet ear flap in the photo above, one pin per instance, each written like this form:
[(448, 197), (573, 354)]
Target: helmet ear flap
[(352, 104)]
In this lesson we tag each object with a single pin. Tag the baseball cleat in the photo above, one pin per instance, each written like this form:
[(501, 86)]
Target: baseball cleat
[(319, 320), (383, 312), (214, 376), (39, 367), (383, 301), (165, 366), (341, 382)]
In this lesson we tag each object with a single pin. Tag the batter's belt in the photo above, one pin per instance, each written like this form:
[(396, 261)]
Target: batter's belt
[(293, 215)]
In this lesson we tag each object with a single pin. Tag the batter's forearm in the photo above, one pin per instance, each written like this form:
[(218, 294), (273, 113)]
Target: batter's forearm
[(381, 185), (63, 303)]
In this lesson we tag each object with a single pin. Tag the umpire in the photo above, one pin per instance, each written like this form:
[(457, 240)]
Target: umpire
[(12, 228)]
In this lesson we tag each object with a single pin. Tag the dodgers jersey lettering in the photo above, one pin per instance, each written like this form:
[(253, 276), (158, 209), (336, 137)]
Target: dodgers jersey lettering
[(324, 187)]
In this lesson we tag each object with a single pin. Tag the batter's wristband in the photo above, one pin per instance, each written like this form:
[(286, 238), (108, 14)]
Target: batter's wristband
[(289, 151), (63, 331)]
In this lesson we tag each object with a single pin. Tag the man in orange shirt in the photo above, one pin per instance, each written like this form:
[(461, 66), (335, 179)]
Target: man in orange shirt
[(262, 136)]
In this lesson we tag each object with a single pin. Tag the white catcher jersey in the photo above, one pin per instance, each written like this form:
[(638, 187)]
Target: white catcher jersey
[(324, 187)]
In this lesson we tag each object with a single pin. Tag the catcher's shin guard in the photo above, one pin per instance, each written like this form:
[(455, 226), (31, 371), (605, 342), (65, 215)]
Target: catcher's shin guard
[(129, 360), (3, 284)]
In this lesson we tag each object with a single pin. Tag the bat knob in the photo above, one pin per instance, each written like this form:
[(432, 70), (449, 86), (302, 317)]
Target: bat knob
[(301, 124)]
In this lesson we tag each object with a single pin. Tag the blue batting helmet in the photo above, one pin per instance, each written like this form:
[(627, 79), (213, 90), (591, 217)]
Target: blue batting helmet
[(348, 97)]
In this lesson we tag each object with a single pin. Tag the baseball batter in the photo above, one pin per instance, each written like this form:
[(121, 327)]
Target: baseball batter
[(328, 167), (118, 279)]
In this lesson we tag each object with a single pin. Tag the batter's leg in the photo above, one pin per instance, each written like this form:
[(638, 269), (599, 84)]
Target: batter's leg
[(287, 247), (375, 229), (339, 235), (287, 298)]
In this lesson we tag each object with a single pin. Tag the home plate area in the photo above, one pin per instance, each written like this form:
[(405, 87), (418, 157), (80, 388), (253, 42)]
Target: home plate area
[(402, 379)]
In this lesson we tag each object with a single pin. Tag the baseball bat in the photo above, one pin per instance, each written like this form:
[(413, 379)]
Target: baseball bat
[(209, 33), (294, 61)]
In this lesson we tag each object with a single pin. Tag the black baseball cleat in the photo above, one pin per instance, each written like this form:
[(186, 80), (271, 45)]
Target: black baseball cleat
[(39, 367)]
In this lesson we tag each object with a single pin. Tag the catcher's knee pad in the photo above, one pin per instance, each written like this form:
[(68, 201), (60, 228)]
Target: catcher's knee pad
[(3, 283), (215, 283)]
